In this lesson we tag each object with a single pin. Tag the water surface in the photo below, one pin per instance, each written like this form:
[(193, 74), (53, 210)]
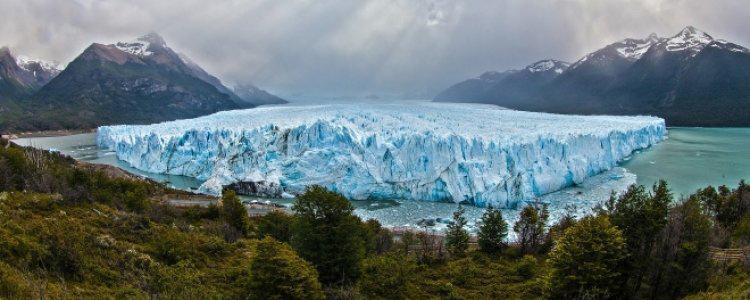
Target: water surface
[(692, 158)]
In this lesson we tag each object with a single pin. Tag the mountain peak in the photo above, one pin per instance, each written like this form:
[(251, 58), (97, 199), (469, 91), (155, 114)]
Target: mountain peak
[(153, 38), (5, 54), (548, 64), (630, 49), (633, 49), (36, 65), (142, 46), (689, 30), (689, 38)]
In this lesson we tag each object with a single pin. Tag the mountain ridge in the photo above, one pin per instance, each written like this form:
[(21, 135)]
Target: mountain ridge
[(131, 82), (654, 75)]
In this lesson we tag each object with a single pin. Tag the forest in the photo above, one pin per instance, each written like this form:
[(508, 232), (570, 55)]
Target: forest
[(70, 230)]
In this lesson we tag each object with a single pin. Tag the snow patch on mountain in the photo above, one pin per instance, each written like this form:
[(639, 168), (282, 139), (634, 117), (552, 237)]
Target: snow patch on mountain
[(25, 62), (633, 49), (138, 48), (548, 64), (722, 44), (479, 154), (630, 49), (690, 39)]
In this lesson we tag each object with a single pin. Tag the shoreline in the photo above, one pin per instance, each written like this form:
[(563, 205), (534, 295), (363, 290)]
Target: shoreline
[(46, 133)]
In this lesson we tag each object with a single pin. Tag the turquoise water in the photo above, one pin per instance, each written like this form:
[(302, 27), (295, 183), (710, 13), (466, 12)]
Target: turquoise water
[(692, 158), (689, 159), (83, 147)]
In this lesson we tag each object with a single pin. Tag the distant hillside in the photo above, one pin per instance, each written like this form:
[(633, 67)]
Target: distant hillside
[(143, 81), (20, 77), (690, 79), (255, 95)]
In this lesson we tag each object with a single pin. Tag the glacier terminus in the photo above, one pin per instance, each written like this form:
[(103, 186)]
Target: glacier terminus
[(471, 153)]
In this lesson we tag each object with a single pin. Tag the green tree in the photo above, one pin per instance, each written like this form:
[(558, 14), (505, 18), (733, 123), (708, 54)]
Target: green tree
[(530, 228), (327, 234), (681, 264), (378, 240), (641, 216), (388, 276), (457, 238), (276, 224), (586, 261), (558, 229), (234, 213), (278, 273), (493, 231), (731, 205)]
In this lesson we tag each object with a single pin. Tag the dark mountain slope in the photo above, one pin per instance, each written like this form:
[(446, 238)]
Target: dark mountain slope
[(690, 79), (507, 87), (108, 86), (20, 76), (143, 81)]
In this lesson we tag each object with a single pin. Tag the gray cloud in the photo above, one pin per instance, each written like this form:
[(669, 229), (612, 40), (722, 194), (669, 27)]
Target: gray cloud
[(360, 47)]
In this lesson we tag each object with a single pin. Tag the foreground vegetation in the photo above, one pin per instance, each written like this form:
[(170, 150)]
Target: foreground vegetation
[(68, 231)]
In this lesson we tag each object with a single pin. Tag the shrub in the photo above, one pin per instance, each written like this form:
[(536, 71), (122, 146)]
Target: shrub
[(12, 283), (277, 225), (588, 260), (278, 273), (387, 277), (234, 213)]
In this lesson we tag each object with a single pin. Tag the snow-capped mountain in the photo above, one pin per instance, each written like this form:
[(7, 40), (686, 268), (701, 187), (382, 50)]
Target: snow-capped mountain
[(690, 78), (20, 75), (42, 70), (140, 81), (513, 83), (153, 46), (628, 49), (690, 39)]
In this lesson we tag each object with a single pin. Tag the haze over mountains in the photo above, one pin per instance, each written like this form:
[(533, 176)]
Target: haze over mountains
[(690, 79), (142, 81)]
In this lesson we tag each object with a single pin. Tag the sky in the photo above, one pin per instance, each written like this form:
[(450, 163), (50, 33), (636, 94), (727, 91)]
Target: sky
[(404, 48)]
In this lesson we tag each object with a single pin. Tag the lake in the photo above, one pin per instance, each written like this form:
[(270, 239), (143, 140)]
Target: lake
[(689, 159), (693, 158)]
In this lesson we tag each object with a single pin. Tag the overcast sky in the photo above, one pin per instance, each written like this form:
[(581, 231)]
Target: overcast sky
[(351, 47)]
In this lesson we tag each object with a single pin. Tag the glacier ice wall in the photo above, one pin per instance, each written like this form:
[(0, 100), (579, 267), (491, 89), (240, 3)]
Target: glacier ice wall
[(473, 153)]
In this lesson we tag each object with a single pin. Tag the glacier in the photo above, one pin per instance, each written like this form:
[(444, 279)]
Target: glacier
[(465, 153)]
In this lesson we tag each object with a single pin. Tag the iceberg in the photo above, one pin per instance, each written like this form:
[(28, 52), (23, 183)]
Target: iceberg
[(465, 153)]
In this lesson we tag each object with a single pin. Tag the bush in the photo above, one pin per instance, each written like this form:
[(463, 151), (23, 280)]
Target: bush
[(387, 277), (277, 225), (588, 261), (12, 283), (378, 240), (278, 273), (526, 267), (234, 213)]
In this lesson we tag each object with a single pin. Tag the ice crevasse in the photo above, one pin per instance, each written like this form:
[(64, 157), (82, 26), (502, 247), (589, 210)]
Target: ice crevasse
[(472, 153)]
